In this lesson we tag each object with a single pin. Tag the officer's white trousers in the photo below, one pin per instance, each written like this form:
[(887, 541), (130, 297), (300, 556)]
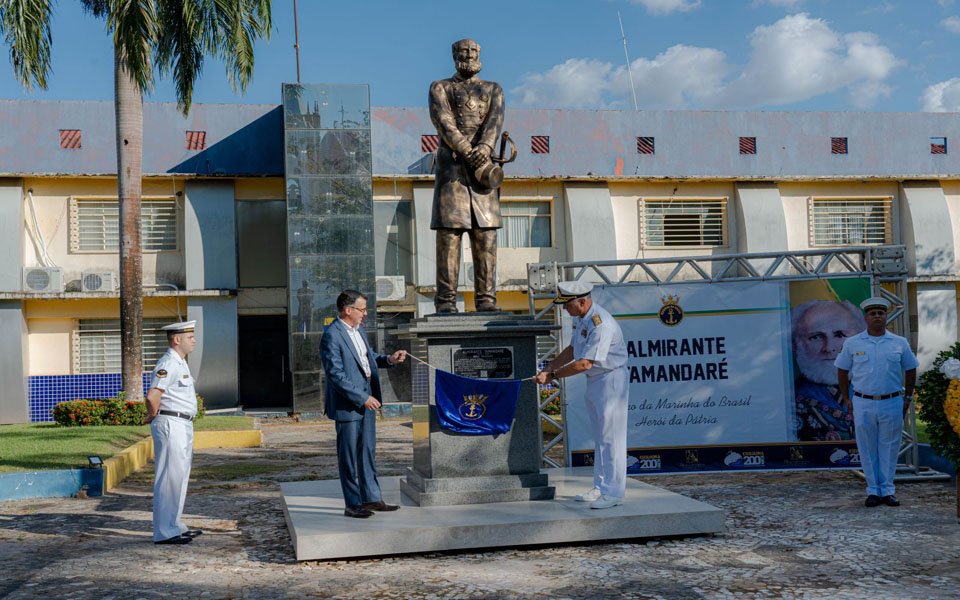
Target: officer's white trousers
[(173, 453), (606, 400), (878, 427)]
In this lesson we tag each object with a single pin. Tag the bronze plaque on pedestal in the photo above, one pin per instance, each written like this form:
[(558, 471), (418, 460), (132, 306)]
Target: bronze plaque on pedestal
[(483, 363)]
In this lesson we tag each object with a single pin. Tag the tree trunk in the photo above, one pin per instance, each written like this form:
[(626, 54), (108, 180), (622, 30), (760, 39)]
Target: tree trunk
[(128, 104)]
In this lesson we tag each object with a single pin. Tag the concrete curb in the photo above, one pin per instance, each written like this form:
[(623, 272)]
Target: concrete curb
[(121, 465)]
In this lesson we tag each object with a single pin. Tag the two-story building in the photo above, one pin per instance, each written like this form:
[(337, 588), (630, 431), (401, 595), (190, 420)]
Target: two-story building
[(587, 185)]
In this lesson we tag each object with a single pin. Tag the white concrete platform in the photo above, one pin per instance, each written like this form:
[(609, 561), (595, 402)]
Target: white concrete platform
[(320, 531)]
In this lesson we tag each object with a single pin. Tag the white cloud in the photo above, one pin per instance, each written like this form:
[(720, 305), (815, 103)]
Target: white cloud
[(945, 3), (665, 7), (943, 96), (575, 83), (952, 24), (792, 60), (788, 4)]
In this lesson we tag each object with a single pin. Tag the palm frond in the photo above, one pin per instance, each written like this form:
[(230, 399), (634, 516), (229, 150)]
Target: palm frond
[(225, 29), (134, 25), (25, 25)]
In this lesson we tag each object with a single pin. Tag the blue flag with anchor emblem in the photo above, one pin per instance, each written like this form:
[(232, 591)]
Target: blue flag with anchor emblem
[(475, 406)]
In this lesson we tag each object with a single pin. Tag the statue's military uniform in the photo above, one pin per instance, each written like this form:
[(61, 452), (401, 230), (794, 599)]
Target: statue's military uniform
[(466, 112)]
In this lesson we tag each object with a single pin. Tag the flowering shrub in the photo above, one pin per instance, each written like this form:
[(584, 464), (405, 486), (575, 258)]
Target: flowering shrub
[(111, 411), (932, 394)]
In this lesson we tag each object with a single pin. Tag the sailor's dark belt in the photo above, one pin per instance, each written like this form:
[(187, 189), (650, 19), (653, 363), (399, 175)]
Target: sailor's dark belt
[(173, 413), (882, 397)]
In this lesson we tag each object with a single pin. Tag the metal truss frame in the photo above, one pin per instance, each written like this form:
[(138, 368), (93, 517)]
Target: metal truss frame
[(885, 266)]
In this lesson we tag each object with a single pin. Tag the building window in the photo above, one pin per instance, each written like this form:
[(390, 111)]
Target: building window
[(938, 145), (393, 236), (748, 145), (644, 145), (683, 222), (96, 347), (850, 221), (95, 224), (70, 139), (540, 144), (526, 224), (429, 143), (196, 140), (838, 145)]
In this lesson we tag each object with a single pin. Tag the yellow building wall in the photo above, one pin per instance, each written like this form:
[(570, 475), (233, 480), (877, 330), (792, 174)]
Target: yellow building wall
[(951, 192), (51, 197), (796, 204), (50, 326), (259, 188), (626, 197)]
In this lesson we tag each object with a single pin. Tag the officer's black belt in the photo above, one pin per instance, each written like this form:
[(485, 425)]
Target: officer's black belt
[(869, 397), (173, 413)]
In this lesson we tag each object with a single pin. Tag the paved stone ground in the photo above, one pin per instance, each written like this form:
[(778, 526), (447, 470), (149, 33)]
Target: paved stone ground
[(790, 535)]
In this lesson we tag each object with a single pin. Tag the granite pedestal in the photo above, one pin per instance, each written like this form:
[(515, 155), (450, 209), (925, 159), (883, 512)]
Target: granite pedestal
[(452, 468), (320, 531)]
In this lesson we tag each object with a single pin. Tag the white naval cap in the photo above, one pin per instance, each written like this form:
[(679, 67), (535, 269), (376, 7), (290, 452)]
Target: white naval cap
[(571, 290), (875, 302), (184, 327)]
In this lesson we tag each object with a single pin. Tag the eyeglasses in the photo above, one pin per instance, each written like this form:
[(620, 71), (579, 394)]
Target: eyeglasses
[(363, 310)]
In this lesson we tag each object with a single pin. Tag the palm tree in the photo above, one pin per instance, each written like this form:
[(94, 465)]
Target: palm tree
[(169, 37)]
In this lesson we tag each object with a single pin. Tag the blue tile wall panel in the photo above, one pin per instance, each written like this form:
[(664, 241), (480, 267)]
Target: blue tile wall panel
[(46, 391)]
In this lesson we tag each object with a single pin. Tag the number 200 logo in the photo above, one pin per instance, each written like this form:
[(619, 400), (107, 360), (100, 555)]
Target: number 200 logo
[(649, 463), (753, 460)]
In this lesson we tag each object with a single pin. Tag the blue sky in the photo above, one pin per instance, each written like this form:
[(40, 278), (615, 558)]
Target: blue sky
[(685, 54)]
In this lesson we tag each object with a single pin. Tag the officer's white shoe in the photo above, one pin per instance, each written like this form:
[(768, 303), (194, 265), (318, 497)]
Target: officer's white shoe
[(605, 501), (588, 496)]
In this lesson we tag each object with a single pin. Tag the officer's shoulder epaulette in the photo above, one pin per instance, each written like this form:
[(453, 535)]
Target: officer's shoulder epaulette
[(597, 320)]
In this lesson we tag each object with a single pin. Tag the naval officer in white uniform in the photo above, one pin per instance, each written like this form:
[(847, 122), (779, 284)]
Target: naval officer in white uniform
[(598, 350), (171, 408), (879, 370)]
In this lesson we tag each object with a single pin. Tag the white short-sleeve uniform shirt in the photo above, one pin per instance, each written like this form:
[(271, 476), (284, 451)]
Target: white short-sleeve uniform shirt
[(876, 364), (172, 377), (597, 337)]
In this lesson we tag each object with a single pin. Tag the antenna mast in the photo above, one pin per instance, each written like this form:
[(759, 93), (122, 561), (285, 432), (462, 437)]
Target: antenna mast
[(625, 55), (296, 39)]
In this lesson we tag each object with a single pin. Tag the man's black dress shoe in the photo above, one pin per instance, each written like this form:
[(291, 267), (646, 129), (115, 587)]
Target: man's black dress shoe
[(446, 309), (872, 501), (488, 307), (890, 500), (192, 533), (380, 506), (177, 539), (357, 512)]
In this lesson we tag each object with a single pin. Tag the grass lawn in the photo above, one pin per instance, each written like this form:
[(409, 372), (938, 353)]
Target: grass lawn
[(922, 436), (40, 446)]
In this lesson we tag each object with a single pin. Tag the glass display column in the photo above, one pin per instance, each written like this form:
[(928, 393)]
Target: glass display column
[(330, 245)]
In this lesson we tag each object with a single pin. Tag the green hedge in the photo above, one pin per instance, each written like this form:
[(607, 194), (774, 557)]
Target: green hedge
[(931, 392), (112, 411)]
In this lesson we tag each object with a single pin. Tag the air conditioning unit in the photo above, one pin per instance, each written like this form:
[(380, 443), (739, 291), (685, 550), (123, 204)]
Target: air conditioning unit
[(98, 281), (391, 288), (43, 279)]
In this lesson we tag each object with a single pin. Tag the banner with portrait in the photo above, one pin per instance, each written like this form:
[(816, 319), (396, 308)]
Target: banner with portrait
[(730, 376)]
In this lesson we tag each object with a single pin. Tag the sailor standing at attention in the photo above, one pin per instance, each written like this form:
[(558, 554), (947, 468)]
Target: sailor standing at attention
[(879, 370), (598, 350), (171, 408)]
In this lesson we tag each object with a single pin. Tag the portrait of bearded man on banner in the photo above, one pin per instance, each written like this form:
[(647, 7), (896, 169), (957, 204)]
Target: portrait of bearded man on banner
[(819, 328)]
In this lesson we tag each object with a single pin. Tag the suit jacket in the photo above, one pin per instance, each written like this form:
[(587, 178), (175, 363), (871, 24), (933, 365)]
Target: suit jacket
[(346, 388), (466, 112)]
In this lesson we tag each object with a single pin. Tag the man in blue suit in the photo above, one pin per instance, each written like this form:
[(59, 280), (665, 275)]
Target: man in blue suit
[(352, 396)]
